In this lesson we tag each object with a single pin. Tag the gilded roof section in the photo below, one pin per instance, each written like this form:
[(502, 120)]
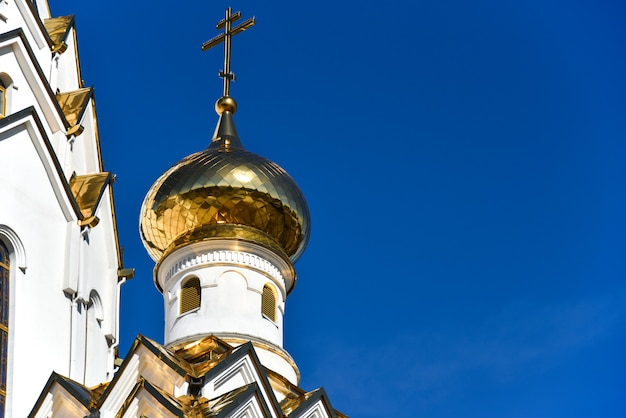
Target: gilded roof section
[(58, 29), (74, 103), (202, 355), (88, 189), (225, 192), (290, 404), (169, 402), (215, 406), (97, 391), (207, 408), (296, 406), (176, 363), (191, 360)]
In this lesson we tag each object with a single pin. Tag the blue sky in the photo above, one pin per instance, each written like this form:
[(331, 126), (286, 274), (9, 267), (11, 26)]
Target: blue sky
[(464, 166)]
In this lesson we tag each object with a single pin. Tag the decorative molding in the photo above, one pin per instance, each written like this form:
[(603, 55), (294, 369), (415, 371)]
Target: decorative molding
[(222, 257), (242, 368), (15, 245), (35, 76)]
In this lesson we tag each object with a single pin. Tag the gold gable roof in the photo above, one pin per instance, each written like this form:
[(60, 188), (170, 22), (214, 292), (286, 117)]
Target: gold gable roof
[(74, 103), (188, 361), (88, 189), (58, 29)]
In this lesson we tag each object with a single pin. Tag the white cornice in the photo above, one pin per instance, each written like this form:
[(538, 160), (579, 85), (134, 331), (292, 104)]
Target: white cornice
[(33, 23), (226, 252), (240, 258)]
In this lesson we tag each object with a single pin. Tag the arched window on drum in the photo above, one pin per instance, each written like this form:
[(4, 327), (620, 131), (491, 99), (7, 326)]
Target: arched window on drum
[(268, 303), (190, 296)]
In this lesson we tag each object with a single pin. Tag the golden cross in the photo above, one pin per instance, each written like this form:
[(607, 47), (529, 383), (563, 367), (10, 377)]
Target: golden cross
[(225, 37)]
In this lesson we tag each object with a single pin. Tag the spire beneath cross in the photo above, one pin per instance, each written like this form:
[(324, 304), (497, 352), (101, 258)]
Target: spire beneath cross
[(225, 37)]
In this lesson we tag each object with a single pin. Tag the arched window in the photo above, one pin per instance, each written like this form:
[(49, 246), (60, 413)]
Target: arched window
[(190, 295), (268, 303), (3, 99), (6, 90), (4, 322)]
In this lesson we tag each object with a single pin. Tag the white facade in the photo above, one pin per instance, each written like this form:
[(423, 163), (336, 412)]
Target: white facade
[(64, 284), (232, 277)]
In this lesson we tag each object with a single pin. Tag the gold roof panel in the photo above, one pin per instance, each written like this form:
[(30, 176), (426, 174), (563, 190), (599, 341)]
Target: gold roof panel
[(225, 192), (88, 189), (58, 28), (74, 103)]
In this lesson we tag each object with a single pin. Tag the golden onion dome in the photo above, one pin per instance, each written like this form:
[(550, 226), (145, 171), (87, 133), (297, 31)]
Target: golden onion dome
[(225, 192)]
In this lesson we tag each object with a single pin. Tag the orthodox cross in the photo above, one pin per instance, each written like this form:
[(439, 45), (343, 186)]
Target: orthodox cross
[(225, 37)]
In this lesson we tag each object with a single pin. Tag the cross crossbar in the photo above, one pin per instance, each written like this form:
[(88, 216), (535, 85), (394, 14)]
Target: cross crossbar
[(225, 37)]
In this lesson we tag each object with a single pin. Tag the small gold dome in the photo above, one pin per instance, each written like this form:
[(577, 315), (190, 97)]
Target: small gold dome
[(225, 192)]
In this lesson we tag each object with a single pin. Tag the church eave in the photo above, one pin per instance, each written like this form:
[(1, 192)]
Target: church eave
[(43, 81), (31, 112), (235, 399), (74, 104), (78, 391), (58, 29), (237, 354), (88, 190), (35, 16), (310, 399), (147, 343), (168, 403)]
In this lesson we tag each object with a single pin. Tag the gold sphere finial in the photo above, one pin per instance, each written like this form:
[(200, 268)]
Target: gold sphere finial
[(225, 104)]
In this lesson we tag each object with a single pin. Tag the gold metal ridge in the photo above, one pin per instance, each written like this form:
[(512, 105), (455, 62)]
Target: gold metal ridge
[(127, 274), (75, 130), (81, 82), (90, 221), (61, 47)]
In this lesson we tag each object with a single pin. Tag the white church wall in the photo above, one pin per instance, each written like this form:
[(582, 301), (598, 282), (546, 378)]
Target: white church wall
[(21, 95), (242, 372), (35, 216), (100, 279), (85, 157), (64, 303), (19, 15), (230, 303), (231, 287), (102, 265), (66, 67), (53, 243), (42, 8), (28, 89), (97, 349)]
